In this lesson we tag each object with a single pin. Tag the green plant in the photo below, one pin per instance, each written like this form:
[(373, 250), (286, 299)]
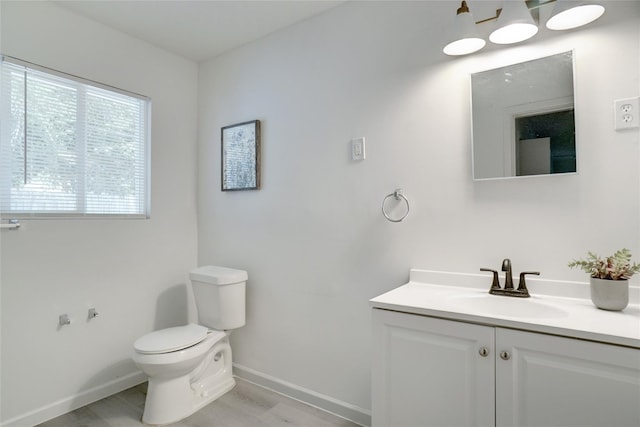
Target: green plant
[(615, 267)]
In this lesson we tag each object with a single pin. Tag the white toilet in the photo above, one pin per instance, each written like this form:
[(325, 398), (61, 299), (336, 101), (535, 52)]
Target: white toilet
[(190, 366)]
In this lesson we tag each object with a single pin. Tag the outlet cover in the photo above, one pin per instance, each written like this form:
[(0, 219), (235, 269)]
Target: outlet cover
[(627, 113)]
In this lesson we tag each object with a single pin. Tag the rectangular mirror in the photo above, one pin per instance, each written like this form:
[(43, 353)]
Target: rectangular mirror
[(523, 119)]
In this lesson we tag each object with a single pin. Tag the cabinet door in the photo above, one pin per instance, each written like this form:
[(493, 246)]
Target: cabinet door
[(429, 372), (553, 381)]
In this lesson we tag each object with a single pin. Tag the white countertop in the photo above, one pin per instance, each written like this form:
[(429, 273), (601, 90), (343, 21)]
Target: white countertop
[(572, 314)]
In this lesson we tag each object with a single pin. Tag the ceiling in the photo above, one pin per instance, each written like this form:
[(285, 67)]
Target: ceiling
[(202, 29), (198, 29)]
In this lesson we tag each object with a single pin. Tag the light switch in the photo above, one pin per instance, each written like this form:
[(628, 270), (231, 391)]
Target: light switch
[(358, 149)]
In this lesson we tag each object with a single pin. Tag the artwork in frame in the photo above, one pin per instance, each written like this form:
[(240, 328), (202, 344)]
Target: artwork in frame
[(241, 156)]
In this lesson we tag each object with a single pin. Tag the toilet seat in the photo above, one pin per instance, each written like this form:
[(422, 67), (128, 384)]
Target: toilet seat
[(171, 339)]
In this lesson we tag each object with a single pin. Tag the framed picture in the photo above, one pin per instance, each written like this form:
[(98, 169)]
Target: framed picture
[(241, 156)]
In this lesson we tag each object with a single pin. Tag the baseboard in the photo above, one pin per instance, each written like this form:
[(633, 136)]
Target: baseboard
[(74, 402), (326, 403)]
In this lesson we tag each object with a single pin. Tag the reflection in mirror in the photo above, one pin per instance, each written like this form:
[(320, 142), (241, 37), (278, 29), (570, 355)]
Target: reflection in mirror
[(523, 119)]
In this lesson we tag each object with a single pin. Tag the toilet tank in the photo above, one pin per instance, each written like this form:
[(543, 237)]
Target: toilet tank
[(219, 293)]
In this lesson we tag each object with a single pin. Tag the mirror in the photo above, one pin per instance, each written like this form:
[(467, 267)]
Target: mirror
[(523, 119)]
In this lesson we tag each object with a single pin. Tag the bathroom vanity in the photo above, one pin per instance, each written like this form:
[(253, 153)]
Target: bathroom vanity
[(446, 353)]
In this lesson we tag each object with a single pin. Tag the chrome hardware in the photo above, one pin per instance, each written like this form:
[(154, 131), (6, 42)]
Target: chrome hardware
[(398, 196), (508, 289), (505, 355), (13, 224), (63, 320), (484, 351), (92, 314)]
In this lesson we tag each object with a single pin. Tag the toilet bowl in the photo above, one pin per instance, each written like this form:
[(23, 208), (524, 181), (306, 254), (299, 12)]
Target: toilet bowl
[(190, 366)]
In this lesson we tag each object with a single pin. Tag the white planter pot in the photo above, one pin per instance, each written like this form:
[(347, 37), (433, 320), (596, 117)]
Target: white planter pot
[(610, 294)]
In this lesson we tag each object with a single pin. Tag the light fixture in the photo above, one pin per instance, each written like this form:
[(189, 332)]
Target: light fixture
[(464, 34), (572, 14), (515, 23)]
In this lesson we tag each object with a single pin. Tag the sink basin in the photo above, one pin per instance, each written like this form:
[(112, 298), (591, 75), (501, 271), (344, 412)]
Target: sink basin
[(507, 306)]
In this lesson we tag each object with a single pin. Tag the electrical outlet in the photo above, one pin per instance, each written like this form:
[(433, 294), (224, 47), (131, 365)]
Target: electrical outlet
[(627, 113)]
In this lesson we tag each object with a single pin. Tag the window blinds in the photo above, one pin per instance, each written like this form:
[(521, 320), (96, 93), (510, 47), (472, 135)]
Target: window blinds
[(71, 147)]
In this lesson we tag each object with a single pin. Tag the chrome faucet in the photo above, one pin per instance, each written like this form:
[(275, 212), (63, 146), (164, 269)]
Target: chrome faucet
[(508, 289)]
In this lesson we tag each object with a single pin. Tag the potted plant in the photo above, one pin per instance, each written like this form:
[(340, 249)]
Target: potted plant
[(609, 278)]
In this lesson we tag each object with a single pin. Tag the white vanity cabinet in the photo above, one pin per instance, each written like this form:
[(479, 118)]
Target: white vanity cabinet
[(555, 381), (429, 371)]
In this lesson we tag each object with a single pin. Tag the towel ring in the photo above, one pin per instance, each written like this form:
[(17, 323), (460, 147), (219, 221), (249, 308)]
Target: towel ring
[(398, 196)]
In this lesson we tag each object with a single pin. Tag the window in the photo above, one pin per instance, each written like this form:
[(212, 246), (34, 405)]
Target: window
[(70, 147)]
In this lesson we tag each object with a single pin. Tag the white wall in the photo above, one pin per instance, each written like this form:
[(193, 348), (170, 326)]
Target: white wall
[(313, 239), (134, 272)]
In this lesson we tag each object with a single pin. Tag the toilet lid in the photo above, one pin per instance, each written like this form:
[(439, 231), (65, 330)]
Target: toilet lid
[(170, 339)]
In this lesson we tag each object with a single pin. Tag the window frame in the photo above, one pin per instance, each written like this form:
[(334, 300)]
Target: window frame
[(80, 211)]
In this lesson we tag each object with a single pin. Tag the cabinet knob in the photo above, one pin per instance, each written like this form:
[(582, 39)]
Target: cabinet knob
[(504, 355), (484, 351)]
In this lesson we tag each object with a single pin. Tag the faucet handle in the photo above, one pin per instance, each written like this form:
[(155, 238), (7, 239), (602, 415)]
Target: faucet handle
[(522, 286), (495, 284)]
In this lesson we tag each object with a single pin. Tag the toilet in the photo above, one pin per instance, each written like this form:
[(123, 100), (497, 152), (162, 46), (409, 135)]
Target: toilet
[(190, 366)]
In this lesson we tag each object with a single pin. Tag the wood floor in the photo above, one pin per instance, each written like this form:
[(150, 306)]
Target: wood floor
[(247, 405)]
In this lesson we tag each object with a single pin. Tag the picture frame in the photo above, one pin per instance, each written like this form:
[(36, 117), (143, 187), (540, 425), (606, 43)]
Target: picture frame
[(240, 149)]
